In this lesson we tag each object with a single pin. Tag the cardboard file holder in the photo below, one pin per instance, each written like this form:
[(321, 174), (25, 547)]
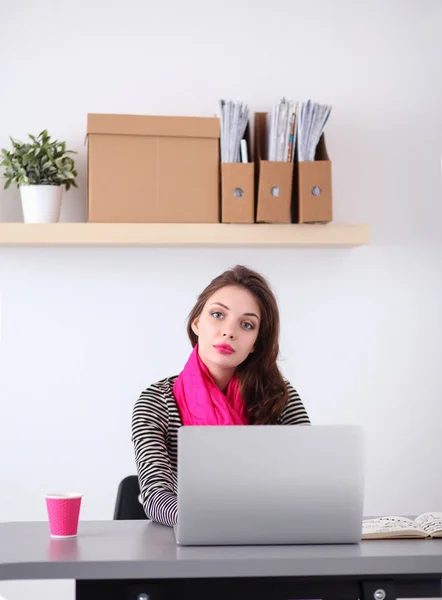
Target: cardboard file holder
[(274, 181), (313, 183), (237, 193), (238, 190)]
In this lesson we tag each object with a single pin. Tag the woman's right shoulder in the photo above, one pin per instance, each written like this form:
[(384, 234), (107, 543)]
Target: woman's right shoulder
[(160, 391), (162, 386), (154, 403)]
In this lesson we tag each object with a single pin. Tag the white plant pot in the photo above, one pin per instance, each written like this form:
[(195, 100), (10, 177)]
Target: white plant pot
[(41, 203)]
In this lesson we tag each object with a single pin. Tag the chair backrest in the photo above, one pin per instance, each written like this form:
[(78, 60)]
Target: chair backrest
[(127, 505)]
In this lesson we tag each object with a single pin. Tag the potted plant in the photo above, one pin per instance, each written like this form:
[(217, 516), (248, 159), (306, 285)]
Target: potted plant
[(40, 169)]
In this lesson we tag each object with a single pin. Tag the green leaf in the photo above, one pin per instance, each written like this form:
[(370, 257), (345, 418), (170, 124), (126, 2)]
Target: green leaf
[(38, 161)]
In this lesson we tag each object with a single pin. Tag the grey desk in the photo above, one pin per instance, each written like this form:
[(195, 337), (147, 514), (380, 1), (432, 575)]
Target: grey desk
[(130, 560)]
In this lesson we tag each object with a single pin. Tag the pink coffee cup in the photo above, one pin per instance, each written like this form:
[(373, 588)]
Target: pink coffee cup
[(63, 513)]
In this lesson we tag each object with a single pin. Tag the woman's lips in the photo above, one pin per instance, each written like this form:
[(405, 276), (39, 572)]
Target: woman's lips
[(224, 348)]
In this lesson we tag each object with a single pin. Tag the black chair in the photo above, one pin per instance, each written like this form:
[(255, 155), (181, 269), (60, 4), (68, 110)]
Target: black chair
[(127, 506)]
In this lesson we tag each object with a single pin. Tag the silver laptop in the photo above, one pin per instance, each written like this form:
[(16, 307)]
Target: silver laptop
[(270, 484)]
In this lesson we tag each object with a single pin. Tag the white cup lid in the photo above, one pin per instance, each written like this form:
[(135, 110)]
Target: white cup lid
[(63, 495)]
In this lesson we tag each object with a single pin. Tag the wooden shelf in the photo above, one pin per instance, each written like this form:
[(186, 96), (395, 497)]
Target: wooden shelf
[(181, 234)]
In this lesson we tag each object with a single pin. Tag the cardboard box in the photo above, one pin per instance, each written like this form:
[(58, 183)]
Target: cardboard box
[(274, 181), (313, 182), (149, 169), (238, 190)]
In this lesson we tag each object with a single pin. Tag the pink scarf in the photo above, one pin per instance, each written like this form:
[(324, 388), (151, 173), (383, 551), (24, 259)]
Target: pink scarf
[(201, 402)]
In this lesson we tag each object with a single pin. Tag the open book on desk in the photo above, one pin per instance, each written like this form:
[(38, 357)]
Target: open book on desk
[(426, 525)]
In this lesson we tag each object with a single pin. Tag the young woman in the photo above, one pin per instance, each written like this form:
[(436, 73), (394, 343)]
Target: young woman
[(230, 378)]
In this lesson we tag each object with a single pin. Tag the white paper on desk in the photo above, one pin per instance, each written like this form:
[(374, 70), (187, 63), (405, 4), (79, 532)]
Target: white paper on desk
[(430, 522), (387, 524)]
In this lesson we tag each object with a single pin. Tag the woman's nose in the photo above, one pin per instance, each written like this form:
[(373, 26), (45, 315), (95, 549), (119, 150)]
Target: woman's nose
[(228, 335)]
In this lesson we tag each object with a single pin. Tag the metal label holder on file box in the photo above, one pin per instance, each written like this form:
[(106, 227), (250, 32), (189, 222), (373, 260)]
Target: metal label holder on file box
[(274, 181), (238, 190)]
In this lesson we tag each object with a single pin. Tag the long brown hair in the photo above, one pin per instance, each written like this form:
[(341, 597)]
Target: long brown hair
[(262, 385)]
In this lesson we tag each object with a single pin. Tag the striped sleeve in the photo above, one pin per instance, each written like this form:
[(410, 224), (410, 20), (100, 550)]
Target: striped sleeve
[(155, 473), (294, 412)]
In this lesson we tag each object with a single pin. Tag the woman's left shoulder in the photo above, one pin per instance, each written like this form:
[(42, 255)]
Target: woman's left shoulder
[(294, 412), (290, 387)]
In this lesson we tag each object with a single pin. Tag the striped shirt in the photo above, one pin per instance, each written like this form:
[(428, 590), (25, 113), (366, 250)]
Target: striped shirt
[(155, 424)]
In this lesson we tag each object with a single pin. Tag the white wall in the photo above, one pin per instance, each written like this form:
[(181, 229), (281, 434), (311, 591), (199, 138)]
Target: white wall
[(85, 330)]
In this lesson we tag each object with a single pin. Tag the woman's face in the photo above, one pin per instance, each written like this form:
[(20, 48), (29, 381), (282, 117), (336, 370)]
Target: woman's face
[(227, 328)]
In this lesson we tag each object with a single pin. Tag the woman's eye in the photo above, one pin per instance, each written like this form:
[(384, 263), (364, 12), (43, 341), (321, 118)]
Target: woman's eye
[(216, 314), (247, 325)]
